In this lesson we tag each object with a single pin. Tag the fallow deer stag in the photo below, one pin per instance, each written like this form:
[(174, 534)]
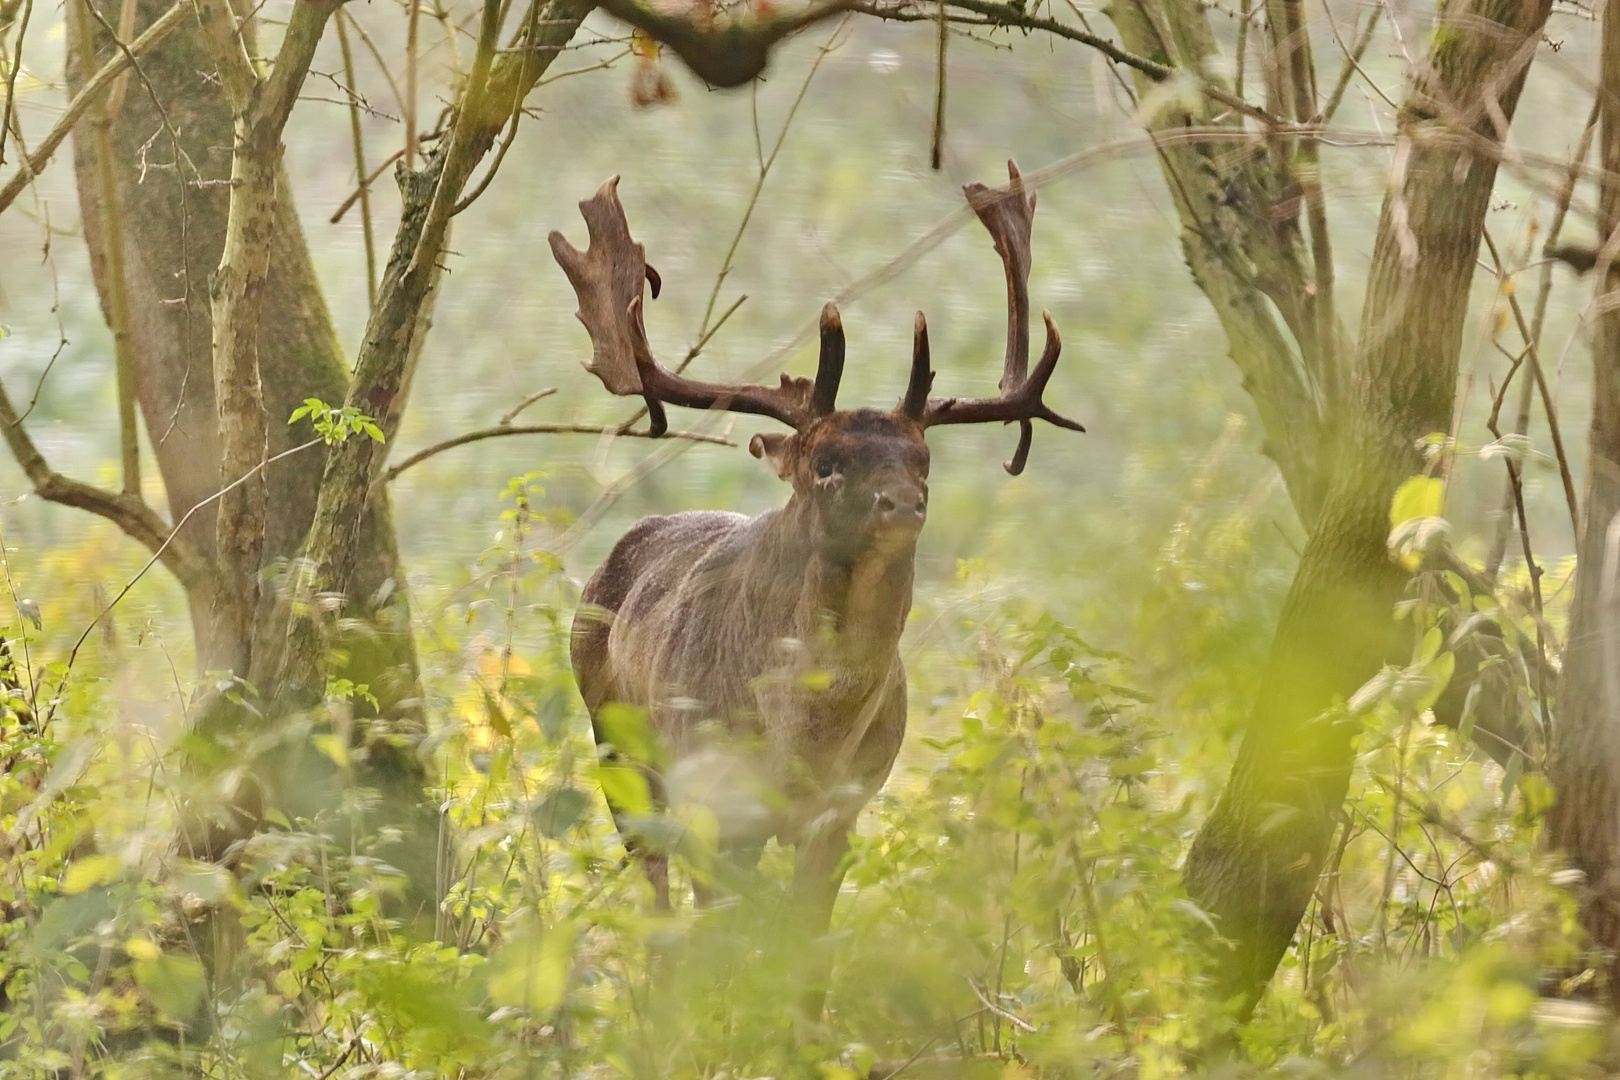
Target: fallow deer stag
[(764, 650)]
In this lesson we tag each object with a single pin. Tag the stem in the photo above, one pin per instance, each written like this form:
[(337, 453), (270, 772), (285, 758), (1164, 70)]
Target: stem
[(31, 165), (359, 166), (936, 151), (112, 224), (410, 84)]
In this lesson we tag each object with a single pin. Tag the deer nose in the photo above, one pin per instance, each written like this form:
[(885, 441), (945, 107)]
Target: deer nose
[(900, 504)]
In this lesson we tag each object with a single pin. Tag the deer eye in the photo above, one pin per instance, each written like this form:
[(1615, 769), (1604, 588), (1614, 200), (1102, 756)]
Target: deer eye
[(826, 469)]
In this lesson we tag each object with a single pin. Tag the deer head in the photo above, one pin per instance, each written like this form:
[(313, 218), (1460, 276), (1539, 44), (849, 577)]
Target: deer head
[(864, 471)]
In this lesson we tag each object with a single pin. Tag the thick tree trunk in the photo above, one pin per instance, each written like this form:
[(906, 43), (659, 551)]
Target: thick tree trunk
[(1255, 862), (172, 231), (173, 235), (1585, 765)]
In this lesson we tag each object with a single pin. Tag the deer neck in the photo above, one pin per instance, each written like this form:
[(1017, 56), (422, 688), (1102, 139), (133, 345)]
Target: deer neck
[(851, 611)]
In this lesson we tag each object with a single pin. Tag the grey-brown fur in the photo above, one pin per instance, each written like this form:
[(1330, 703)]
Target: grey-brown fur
[(765, 650)]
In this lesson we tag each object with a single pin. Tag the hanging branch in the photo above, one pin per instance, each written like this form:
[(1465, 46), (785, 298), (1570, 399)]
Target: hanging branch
[(127, 510), (1009, 15)]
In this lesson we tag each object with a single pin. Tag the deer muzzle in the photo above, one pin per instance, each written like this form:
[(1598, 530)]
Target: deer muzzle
[(900, 505)]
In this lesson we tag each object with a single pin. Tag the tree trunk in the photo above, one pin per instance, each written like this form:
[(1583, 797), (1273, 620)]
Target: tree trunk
[(1585, 763), (172, 225), (1255, 862)]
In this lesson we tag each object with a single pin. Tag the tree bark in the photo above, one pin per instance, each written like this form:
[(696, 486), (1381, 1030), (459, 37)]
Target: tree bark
[(431, 196), (174, 225), (171, 169), (1239, 210), (1255, 862), (1585, 763)]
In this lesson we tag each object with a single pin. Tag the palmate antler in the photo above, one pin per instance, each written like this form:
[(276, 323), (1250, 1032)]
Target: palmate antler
[(1009, 214), (608, 277)]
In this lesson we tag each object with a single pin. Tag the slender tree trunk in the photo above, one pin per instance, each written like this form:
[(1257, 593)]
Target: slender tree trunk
[(1255, 862), (1585, 765)]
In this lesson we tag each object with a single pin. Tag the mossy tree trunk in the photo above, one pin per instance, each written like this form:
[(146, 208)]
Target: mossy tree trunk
[(171, 199), (1342, 420)]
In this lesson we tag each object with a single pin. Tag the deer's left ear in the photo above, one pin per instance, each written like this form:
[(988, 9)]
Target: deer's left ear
[(774, 449)]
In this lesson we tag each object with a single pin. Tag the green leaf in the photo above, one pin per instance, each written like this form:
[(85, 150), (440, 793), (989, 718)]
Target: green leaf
[(558, 811), (625, 788), (626, 727), (531, 971), (173, 982), (496, 715)]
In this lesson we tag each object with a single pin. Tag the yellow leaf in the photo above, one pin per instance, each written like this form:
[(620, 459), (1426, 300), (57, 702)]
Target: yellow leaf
[(90, 871), (1418, 496)]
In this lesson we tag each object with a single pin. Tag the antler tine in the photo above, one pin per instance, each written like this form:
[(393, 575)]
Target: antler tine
[(608, 278), (830, 371), (915, 403), (1023, 404)]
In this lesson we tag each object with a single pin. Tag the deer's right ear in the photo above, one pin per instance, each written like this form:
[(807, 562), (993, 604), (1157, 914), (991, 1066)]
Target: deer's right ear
[(772, 448)]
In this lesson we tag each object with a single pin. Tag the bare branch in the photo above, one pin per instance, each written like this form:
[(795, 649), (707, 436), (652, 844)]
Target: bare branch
[(127, 510), (31, 165), (1009, 15), (500, 430), (512, 414)]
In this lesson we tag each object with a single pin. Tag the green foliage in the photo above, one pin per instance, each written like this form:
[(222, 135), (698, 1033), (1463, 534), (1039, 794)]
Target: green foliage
[(1012, 906), (336, 424)]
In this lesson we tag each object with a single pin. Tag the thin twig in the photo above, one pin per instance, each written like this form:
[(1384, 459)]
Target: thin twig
[(376, 55), (360, 192), (1546, 396), (765, 171), (1352, 63), (358, 138), (354, 1044), (1498, 548), (158, 554), (1007, 15), (500, 430), (11, 78), (996, 1010), (525, 403)]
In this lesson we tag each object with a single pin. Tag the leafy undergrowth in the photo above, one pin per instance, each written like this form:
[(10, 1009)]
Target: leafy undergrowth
[(1012, 908)]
